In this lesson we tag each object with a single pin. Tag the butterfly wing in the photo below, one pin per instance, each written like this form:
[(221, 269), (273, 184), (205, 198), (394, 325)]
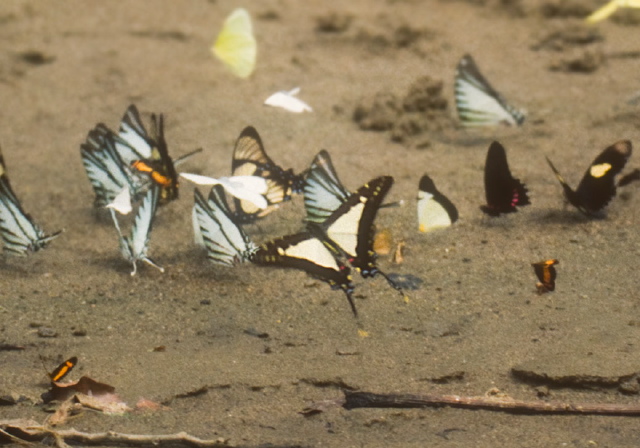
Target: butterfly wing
[(477, 102), (19, 233), (598, 185), (225, 241), (63, 369), (435, 210), (323, 191), (106, 170), (235, 46), (250, 159), (307, 253), (503, 192), (135, 143)]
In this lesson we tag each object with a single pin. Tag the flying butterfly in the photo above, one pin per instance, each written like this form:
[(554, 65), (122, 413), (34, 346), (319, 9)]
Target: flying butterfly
[(546, 273), (60, 372), (349, 230), (227, 244), (435, 210), (503, 191), (19, 233), (134, 246), (235, 46), (477, 102), (598, 185), (250, 159)]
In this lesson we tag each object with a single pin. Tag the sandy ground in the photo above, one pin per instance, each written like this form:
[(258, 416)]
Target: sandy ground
[(68, 65)]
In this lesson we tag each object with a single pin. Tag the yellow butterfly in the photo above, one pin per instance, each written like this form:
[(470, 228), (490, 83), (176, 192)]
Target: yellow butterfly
[(610, 8), (235, 46)]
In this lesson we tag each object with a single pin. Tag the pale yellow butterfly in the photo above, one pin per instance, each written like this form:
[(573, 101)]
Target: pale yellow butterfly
[(235, 46), (610, 8)]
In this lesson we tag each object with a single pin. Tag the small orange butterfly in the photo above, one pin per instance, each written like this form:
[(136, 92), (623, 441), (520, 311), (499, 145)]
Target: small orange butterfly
[(546, 274)]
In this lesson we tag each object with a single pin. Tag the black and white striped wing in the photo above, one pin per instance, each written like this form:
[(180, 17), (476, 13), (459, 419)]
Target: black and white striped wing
[(134, 143), (323, 191), (106, 170), (19, 233), (225, 241), (478, 103)]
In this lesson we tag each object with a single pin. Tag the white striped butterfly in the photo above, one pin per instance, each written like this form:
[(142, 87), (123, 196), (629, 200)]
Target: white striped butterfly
[(250, 159), (134, 247), (19, 233), (477, 102)]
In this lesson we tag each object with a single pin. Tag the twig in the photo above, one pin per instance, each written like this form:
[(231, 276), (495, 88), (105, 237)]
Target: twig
[(20, 431), (355, 400)]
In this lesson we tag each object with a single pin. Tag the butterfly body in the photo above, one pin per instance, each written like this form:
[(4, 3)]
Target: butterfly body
[(598, 185), (504, 193)]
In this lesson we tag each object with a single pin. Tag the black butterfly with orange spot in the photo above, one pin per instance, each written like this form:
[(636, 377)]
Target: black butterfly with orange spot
[(598, 185), (503, 191), (546, 274), (63, 369), (250, 159)]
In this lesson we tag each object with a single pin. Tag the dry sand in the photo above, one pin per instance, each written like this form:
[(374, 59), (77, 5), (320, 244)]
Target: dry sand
[(68, 65)]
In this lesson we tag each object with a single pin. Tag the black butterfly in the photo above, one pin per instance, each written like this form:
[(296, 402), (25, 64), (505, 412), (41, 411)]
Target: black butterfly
[(504, 192), (546, 273), (250, 159), (228, 244), (598, 185), (63, 369), (477, 102), (349, 230), (435, 210), (19, 233)]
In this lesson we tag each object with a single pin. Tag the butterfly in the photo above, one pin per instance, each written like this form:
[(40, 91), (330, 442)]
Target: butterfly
[(215, 229), (132, 157), (63, 369), (598, 185), (134, 247), (435, 210), (478, 103), (228, 244), (349, 230), (504, 192), (19, 233), (235, 46), (609, 8), (546, 274), (287, 100), (250, 159)]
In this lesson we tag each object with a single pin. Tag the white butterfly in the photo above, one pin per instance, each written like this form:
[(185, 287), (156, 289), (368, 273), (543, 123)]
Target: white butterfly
[(247, 188), (477, 102), (134, 246), (435, 210), (287, 100)]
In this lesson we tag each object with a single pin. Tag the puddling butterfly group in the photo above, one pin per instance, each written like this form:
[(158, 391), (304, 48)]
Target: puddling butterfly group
[(131, 170)]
